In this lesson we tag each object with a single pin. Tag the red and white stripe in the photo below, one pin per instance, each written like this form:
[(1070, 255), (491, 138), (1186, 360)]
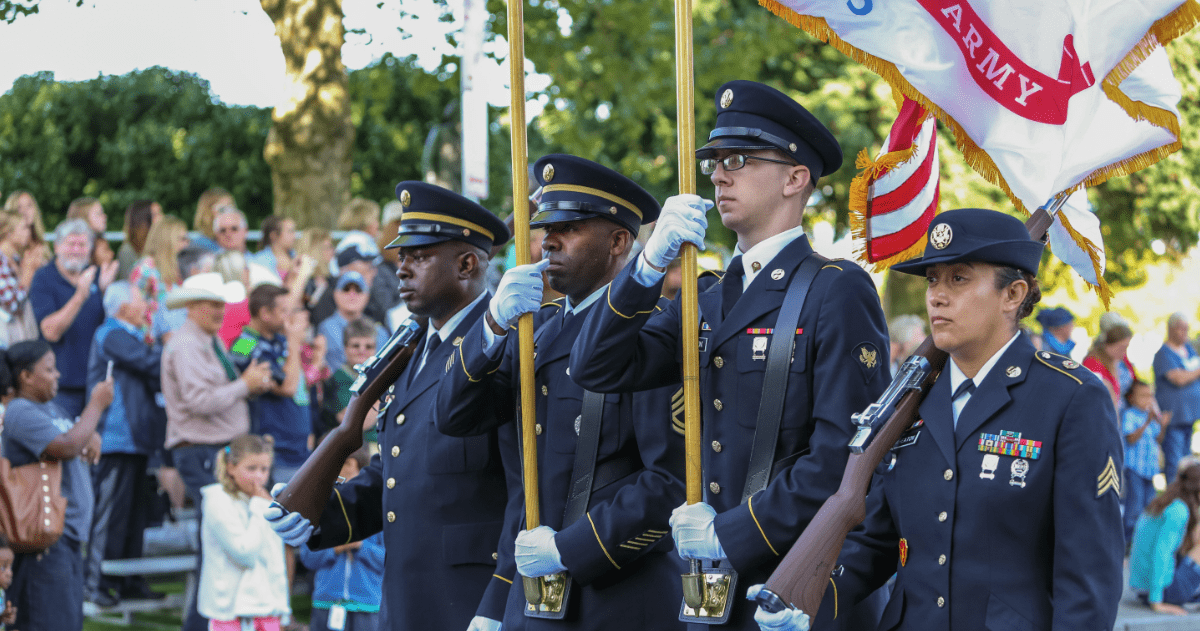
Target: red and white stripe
[(903, 199)]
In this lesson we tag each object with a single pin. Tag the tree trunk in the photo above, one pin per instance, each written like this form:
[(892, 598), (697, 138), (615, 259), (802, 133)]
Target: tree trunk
[(312, 136)]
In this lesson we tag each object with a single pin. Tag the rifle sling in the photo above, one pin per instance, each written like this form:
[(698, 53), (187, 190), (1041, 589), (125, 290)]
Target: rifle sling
[(779, 359), (586, 448)]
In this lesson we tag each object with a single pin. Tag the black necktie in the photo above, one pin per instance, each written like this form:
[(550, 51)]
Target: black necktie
[(966, 387), (430, 345), (731, 285)]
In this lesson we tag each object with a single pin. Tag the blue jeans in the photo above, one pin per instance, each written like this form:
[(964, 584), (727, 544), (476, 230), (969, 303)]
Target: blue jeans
[(1138, 493), (355, 621), (1185, 585), (1177, 443), (197, 466), (48, 588)]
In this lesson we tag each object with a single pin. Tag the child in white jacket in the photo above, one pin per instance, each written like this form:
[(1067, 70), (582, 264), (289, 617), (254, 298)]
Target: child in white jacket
[(243, 581)]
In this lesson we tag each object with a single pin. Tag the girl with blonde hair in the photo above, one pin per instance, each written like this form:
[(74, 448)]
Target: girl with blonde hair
[(206, 211), (23, 203), (16, 273), (157, 272), (243, 578)]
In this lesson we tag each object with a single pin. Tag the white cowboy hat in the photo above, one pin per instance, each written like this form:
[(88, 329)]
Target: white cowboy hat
[(207, 286)]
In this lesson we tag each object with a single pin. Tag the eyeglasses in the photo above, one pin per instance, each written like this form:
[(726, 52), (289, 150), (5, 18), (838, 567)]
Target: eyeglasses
[(733, 162)]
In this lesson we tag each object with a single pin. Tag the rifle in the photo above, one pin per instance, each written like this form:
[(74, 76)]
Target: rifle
[(310, 488), (801, 578)]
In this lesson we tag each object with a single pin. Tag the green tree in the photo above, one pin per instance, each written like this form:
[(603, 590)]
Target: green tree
[(155, 133)]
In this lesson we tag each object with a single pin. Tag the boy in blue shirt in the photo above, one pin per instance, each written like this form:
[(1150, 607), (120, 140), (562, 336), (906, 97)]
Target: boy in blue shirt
[(276, 335), (349, 578), (1142, 427)]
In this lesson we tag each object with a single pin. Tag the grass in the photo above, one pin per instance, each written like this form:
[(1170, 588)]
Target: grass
[(173, 618)]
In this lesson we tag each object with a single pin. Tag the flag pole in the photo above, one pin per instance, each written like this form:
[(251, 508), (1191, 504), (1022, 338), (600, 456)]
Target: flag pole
[(520, 179), (705, 593)]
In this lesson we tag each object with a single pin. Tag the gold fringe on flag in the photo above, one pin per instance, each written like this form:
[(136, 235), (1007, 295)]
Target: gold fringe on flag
[(1178, 22), (869, 170)]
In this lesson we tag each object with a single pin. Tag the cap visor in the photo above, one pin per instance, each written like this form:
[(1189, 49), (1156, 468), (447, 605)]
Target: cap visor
[(414, 241), (731, 142), (557, 216)]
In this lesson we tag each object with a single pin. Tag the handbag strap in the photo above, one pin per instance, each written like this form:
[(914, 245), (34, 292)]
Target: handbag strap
[(586, 448), (779, 359)]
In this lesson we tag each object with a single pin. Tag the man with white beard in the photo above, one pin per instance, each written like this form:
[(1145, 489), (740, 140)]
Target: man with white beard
[(67, 299)]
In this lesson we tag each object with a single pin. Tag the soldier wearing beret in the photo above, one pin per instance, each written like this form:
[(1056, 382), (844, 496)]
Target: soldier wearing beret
[(609, 535), (438, 500), (1001, 509), (765, 475)]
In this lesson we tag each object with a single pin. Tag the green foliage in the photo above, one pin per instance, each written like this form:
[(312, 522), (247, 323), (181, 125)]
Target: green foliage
[(395, 106), (156, 134)]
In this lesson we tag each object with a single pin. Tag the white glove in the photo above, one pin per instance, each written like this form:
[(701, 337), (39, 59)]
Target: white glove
[(536, 553), (479, 623), (519, 292), (682, 221), (293, 528), (692, 529), (787, 620)]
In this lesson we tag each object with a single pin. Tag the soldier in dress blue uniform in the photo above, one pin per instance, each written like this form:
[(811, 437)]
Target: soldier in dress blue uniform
[(617, 553), (1002, 508), (439, 500), (765, 157)]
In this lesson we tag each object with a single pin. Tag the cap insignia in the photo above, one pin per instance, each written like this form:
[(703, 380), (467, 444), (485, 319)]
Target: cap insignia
[(405, 198), (727, 98), (940, 236), (612, 210), (548, 172), (466, 233), (792, 147)]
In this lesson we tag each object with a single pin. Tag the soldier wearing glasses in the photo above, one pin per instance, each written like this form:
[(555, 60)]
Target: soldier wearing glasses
[(765, 158)]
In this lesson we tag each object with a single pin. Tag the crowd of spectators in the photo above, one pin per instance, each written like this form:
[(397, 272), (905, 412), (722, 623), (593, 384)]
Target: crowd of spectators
[(140, 367), (189, 366)]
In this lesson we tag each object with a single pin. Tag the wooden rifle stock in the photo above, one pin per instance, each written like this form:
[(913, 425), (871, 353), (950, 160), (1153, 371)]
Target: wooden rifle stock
[(805, 572), (309, 489)]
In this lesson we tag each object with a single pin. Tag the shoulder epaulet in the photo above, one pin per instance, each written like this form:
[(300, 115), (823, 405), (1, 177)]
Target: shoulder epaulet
[(1060, 363), (836, 264)]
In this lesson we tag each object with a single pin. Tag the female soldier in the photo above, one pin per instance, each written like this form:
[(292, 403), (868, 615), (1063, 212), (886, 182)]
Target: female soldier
[(1005, 494)]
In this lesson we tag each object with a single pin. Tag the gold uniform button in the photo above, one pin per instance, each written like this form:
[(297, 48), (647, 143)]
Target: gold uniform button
[(399, 419), (495, 556), (395, 451), (714, 487), (391, 483), (716, 446), (717, 404), (942, 560), (537, 429), (942, 516), (545, 390), (718, 361), (949, 475), (941, 602), (391, 516)]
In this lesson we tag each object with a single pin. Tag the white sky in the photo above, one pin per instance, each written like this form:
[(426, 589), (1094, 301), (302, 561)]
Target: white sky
[(231, 43)]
